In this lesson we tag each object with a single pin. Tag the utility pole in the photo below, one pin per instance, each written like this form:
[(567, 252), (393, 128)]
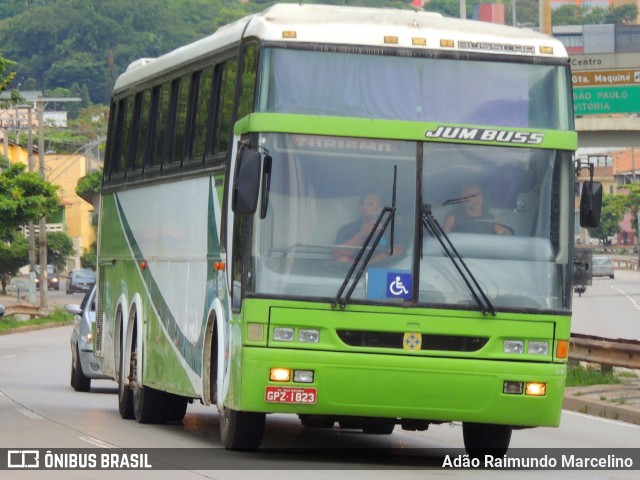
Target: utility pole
[(44, 281), (32, 233), (544, 7)]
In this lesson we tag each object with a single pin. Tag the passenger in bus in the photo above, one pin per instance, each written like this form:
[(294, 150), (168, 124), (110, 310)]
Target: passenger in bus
[(353, 235), (472, 215)]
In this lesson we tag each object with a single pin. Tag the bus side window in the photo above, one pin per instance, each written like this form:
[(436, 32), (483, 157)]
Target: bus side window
[(110, 146), (121, 152), (203, 115), (177, 121), (226, 92), (248, 81), (141, 147), (159, 120)]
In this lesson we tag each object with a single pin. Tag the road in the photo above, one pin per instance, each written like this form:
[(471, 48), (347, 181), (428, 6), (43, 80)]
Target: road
[(38, 409), (609, 308)]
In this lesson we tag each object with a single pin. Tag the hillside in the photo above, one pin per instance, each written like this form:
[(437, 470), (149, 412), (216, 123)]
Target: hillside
[(85, 44)]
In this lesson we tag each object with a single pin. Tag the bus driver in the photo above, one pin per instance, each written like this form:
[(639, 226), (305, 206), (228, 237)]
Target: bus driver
[(472, 216)]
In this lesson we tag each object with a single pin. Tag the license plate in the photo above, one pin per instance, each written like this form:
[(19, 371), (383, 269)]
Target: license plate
[(290, 395)]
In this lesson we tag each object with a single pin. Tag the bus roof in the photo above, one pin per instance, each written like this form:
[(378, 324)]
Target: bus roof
[(329, 24)]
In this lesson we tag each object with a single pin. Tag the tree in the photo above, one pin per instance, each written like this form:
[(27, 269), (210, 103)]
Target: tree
[(59, 249), (24, 198), (4, 162), (14, 253), (5, 78), (88, 189), (624, 14), (89, 257), (613, 209), (632, 202)]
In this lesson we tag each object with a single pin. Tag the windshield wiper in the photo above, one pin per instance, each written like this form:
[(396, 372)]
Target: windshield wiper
[(373, 239), (478, 294), (375, 235)]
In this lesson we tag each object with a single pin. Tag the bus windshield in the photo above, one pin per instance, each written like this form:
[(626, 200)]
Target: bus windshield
[(419, 89), (325, 190)]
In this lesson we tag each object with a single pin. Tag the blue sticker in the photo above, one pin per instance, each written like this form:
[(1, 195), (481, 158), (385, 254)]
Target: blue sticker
[(399, 285)]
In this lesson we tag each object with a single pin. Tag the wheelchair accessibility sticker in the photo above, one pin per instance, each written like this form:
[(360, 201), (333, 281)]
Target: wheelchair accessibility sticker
[(399, 285)]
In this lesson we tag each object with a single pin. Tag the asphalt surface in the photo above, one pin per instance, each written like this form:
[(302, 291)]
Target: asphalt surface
[(616, 401)]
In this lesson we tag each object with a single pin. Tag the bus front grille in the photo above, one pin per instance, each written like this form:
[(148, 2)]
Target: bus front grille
[(447, 343)]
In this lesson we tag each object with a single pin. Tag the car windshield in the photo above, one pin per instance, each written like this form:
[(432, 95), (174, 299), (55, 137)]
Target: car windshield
[(84, 274), (601, 261), (50, 269)]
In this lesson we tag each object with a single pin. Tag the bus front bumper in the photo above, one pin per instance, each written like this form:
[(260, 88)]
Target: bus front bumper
[(399, 386)]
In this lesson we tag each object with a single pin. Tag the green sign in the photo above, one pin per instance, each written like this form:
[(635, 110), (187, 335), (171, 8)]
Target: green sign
[(603, 100)]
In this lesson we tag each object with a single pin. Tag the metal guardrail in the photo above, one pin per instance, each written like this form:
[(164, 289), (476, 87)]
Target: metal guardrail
[(24, 309), (625, 264), (605, 351)]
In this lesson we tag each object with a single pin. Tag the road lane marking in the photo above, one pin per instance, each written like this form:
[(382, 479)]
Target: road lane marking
[(96, 442), (29, 413), (633, 302)]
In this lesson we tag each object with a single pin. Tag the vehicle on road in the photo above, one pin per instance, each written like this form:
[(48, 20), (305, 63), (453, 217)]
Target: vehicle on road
[(602, 266), (53, 278), (81, 280), (270, 133), (84, 365)]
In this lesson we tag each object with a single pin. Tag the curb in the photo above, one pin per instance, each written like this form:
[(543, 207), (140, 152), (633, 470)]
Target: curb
[(616, 401), (30, 328)]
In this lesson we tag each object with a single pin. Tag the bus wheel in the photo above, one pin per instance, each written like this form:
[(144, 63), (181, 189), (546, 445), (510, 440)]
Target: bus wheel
[(482, 439), (241, 430), (148, 405), (379, 426), (125, 394), (175, 407), (316, 421)]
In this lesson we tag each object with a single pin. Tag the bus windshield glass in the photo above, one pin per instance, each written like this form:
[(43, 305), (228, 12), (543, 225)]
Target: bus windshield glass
[(525, 95), (325, 193)]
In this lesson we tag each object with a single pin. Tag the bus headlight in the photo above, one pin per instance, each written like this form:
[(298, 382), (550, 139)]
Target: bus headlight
[(538, 348), (513, 346), (308, 335), (283, 334)]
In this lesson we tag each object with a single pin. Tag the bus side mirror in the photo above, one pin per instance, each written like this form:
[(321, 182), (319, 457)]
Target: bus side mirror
[(246, 182), (590, 204)]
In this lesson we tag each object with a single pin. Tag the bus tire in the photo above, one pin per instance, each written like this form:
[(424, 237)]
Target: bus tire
[(125, 394), (175, 407), (79, 381), (241, 430), (482, 439), (379, 426), (316, 421), (148, 405)]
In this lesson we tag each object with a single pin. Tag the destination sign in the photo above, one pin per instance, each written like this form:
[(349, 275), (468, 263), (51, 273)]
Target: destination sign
[(603, 100), (596, 78)]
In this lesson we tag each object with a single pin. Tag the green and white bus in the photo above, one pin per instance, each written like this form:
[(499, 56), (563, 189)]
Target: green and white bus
[(233, 163)]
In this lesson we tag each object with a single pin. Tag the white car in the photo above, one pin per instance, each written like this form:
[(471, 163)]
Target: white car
[(84, 365), (602, 266)]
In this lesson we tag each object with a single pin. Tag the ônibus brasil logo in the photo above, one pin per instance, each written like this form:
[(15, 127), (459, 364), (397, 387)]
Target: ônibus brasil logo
[(485, 135)]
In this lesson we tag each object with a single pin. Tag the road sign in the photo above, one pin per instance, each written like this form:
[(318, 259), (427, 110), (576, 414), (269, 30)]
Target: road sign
[(603, 100), (600, 78)]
